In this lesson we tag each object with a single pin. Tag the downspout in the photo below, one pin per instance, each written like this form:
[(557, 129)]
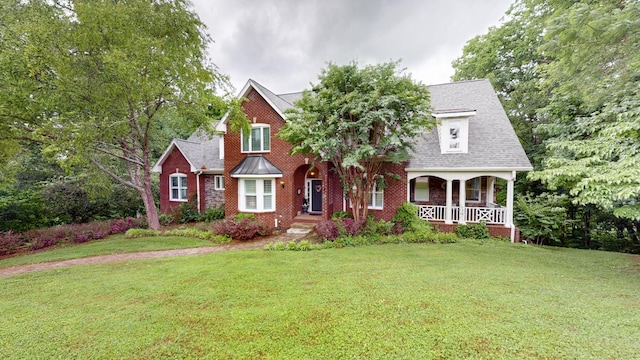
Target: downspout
[(198, 173)]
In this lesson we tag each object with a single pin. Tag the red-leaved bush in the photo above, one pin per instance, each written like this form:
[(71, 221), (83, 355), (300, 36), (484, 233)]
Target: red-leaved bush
[(243, 229), (78, 233), (327, 229)]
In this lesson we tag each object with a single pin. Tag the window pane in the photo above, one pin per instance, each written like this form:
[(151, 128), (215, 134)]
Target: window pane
[(183, 181), (255, 139), (421, 191), (378, 199), (245, 142), (267, 186), (251, 202), (250, 187), (174, 181), (266, 141), (268, 202), (174, 193), (183, 194)]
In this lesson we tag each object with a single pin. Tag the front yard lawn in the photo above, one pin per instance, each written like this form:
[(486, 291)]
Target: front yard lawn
[(115, 244), (489, 300)]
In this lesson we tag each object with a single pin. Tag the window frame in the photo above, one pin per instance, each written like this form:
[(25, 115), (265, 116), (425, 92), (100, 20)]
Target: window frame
[(216, 183), (250, 139), (260, 195), (469, 189), (179, 187), (371, 204)]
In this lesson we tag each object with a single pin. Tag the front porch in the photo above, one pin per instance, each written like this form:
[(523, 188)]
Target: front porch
[(488, 215), (458, 197)]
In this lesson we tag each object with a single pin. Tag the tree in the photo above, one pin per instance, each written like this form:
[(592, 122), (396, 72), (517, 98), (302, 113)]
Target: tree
[(359, 119), (594, 82), (99, 79)]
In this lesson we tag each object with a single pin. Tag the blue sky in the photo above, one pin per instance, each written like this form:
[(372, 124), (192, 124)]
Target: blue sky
[(283, 44)]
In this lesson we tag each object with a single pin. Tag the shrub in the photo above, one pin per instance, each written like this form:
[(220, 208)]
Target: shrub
[(138, 233), (339, 215), (214, 213), (350, 227), (373, 227), (445, 238), (165, 219), (10, 242), (186, 213), (406, 214), (242, 216), (244, 229), (327, 230), (473, 231)]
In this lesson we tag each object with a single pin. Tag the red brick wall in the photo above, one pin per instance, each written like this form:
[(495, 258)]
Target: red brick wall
[(395, 194), (176, 163), (287, 198)]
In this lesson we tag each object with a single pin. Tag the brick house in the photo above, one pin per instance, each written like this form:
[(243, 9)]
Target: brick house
[(453, 175)]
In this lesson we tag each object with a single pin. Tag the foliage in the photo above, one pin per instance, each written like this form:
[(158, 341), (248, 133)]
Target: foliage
[(242, 216), (473, 231), (75, 233), (327, 230), (339, 215), (245, 229), (23, 210), (97, 81), (359, 119), (186, 232), (542, 219), (406, 215), (212, 214)]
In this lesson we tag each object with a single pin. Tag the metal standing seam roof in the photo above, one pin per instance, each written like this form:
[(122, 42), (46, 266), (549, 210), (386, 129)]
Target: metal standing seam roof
[(493, 144), (255, 165)]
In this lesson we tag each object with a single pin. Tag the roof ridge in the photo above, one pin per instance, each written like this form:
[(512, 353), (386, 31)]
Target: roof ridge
[(460, 82)]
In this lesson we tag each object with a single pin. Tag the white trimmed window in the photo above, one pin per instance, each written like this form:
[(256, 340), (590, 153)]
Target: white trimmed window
[(178, 187), (259, 140), (376, 198), (473, 187), (218, 181), (256, 195), (421, 189)]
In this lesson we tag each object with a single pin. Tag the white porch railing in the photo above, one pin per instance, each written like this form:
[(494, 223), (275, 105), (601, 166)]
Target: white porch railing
[(472, 214)]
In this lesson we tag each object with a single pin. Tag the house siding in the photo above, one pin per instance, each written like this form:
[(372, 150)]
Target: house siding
[(177, 163), (212, 198), (287, 199)]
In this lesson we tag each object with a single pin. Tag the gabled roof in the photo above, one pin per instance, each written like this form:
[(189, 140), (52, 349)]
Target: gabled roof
[(201, 150), (493, 144), (255, 166), (279, 103)]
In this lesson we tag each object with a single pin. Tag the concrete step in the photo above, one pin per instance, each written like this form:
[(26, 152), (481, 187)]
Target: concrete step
[(301, 228)]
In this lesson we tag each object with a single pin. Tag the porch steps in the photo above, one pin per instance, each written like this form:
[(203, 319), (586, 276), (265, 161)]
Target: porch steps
[(301, 227)]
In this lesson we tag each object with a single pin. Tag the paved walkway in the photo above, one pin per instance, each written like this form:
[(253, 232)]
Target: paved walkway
[(100, 259)]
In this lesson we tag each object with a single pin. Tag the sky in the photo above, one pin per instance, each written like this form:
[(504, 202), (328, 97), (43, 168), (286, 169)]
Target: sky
[(284, 44)]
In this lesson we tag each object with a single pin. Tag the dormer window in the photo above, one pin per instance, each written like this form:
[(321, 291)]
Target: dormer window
[(453, 130), (258, 140)]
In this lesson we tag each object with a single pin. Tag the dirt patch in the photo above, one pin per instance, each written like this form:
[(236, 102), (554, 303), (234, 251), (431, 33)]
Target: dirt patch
[(100, 259)]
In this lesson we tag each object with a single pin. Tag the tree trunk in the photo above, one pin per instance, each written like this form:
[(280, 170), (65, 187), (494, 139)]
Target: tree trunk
[(149, 203)]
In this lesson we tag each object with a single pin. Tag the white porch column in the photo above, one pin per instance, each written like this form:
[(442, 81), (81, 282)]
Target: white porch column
[(462, 206), (447, 211), (491, 185), (509, 219)]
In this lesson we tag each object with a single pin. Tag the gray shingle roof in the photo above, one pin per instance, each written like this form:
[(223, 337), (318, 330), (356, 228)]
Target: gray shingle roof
[(282, 102), (493, 144), (202, 149)]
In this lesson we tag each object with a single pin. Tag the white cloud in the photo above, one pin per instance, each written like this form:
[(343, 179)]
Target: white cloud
[(284, 44)]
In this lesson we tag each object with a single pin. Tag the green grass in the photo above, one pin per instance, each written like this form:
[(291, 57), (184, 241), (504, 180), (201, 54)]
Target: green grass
[(115, 244), (464, 300)]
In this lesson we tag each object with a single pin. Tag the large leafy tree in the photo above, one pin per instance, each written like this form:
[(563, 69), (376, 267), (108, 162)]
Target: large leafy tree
[(96, 80), (359, 119), (594, 83)]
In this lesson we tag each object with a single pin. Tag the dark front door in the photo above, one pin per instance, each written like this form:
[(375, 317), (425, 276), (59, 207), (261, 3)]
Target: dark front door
[(316, 195)]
